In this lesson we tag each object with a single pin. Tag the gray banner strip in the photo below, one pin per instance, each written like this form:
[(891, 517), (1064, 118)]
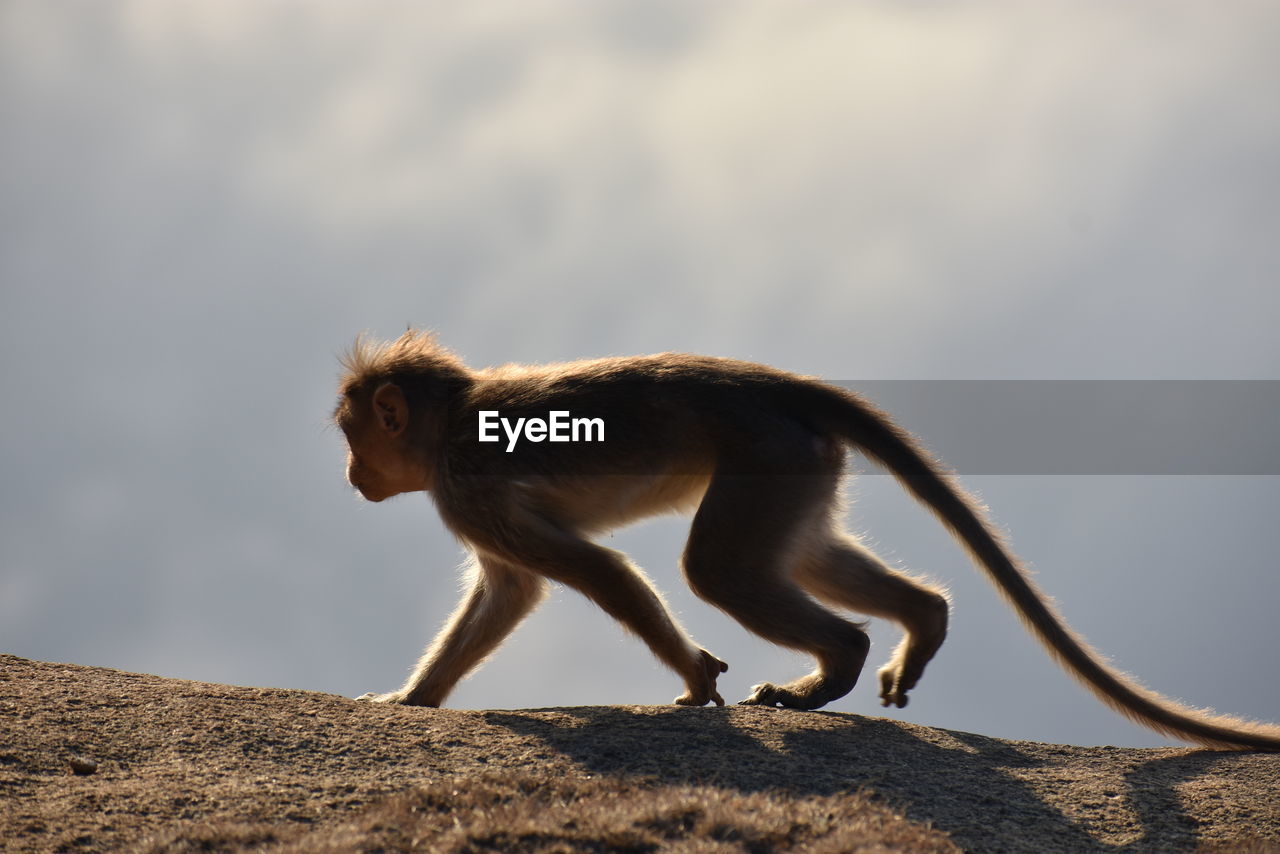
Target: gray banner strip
[(1090, 427)]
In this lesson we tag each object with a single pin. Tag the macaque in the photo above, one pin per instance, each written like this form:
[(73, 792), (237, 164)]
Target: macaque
[(755, 454)]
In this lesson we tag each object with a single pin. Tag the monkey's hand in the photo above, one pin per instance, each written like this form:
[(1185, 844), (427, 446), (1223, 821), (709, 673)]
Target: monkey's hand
[(702, 689), (403, 697), (389, 697)]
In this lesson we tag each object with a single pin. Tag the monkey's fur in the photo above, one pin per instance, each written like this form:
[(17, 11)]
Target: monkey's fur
[(756, 453)]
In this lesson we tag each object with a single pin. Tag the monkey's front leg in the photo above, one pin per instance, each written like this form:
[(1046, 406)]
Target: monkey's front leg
[(612, 582), (500, 596)]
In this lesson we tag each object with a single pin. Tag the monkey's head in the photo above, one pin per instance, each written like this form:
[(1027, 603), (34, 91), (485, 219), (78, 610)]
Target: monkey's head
[(381, 459), (390, 405)]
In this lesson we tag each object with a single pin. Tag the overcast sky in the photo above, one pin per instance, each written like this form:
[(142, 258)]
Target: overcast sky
[(203, 203)]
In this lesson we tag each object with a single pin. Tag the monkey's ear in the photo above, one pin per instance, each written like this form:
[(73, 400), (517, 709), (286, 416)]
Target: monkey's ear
[(391, 409)]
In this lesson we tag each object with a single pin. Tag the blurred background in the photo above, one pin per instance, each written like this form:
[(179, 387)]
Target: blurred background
[(203, 204)]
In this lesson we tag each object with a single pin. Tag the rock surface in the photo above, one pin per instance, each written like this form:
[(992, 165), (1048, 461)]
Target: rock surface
[(97, 759)]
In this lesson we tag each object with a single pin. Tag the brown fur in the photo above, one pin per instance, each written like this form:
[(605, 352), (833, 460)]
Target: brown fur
[(757, 454)]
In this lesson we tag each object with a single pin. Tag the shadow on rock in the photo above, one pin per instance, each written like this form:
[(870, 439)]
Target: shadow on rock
[(965, 785)]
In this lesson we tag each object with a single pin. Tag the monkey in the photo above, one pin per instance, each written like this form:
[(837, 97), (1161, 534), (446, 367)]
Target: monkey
[(755, 454)]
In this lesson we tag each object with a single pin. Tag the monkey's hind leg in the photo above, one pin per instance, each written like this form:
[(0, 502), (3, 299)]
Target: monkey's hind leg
[(840, 570), (738, 557)]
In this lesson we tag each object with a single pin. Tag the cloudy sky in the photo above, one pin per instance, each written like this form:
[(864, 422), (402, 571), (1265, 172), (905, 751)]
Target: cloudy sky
[(203, 203)]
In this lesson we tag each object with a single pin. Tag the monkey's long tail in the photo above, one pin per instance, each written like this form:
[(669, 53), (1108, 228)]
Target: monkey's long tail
[(874, 433)]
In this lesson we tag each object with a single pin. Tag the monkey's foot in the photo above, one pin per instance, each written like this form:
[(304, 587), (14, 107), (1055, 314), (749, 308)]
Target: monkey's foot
[(917, 649), (901, 674), (810, 692), (890, 692), (895, 682), (704, 691)]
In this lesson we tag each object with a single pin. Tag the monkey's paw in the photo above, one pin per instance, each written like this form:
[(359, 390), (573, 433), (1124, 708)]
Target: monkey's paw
[(892, 691), (768, 694), (810, 692), (705, 691), (761, 695), (389, 697)]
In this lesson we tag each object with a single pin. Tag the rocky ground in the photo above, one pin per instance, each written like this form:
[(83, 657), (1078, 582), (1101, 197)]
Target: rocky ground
[(96, 759)]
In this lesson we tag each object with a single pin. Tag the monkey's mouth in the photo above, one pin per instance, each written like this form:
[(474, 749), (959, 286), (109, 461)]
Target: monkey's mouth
[(367, 495)]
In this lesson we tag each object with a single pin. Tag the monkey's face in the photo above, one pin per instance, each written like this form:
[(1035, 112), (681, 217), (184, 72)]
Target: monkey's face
[(378, 469), (380, 458)]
